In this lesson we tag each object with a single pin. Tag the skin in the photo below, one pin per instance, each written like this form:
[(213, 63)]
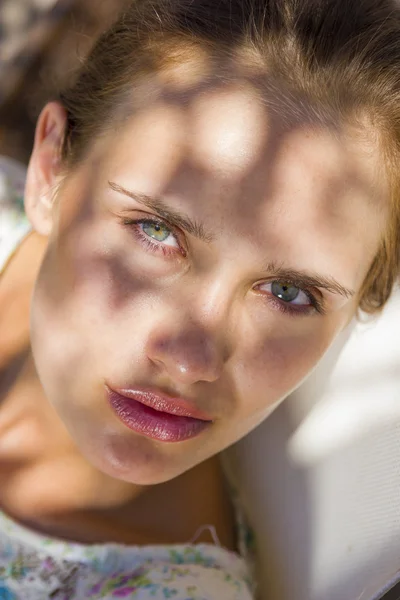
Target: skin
[(191, 317)]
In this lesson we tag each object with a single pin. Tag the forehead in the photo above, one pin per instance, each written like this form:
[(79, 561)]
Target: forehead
[(228, 124), (247, 154)]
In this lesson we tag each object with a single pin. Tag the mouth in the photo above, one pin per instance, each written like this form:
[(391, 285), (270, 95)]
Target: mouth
[(156, 415)]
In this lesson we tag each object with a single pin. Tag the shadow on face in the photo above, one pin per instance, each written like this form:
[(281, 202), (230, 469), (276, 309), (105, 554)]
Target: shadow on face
[(210, 245)]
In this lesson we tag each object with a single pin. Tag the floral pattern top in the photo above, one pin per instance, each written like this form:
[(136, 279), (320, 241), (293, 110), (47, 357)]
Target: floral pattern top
[(35, 567)]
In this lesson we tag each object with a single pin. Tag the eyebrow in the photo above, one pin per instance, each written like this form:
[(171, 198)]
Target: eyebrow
[(298, 278), (304, 279), (173, 216)]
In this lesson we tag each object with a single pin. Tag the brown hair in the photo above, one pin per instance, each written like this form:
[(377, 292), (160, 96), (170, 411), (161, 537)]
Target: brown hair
[(343, 55)]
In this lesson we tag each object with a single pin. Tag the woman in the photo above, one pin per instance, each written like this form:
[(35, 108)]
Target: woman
[(211, 201)]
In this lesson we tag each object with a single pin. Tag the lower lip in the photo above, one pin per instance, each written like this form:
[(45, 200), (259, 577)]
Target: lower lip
[(154, 424)]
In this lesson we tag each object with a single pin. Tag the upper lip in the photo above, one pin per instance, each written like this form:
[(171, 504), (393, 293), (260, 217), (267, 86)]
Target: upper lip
[(157, 400)]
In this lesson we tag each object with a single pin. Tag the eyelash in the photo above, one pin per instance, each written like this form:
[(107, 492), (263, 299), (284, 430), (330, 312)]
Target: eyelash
[(316, 305)]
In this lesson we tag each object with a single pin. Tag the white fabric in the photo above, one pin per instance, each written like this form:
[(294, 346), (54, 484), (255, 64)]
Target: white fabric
[(320, 479)]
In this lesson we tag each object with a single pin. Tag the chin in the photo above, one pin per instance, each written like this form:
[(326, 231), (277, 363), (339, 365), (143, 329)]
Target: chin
[(139, 461)]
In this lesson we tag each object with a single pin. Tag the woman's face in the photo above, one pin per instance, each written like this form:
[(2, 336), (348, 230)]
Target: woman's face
[(201, 260)]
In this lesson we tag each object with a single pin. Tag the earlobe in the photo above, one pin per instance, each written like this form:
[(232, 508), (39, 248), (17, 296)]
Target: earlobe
[(44, 167)]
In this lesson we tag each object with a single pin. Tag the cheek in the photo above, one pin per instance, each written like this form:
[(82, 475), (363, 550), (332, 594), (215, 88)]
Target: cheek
[(92, 304), (272, 368), (59, 347), (87, 276)]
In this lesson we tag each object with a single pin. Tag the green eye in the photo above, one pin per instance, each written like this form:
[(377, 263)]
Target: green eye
[(291, 298), (157, 231), (285, 291)]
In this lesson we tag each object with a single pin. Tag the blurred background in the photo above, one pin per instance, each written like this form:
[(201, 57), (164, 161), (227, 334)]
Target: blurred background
[(41, 44)]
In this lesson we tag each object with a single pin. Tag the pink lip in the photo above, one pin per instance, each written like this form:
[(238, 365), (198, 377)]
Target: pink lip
[(156, 415)]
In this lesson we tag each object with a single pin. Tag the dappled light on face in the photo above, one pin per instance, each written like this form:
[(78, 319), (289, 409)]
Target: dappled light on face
[(321, 200), (205, 163), (229, 128), (153, 143), (221, 156)]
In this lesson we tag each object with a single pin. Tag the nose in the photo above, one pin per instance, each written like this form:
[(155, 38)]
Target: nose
[(188, 355)]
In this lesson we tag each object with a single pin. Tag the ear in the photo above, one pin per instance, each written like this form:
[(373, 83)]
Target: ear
[(44, 167)]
